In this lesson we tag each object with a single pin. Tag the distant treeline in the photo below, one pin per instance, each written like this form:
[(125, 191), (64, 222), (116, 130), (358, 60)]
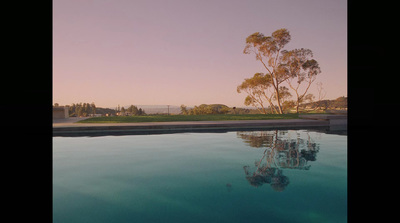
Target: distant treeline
[(208, 109), (88, 109), (205, 109), (131, 110)]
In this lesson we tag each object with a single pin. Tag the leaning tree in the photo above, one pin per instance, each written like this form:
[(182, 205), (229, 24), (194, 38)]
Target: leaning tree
[(282, 67)]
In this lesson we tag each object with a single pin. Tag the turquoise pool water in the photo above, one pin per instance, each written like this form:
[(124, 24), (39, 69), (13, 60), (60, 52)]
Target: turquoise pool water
[(249, 176)]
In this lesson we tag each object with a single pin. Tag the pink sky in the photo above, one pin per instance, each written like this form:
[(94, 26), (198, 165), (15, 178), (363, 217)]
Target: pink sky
[(184, 51)]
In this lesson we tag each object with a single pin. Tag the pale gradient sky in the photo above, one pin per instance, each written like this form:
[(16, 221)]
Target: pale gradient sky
[(145, 52)]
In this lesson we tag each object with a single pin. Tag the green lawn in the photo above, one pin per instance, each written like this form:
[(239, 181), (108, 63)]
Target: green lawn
[(174, 118)]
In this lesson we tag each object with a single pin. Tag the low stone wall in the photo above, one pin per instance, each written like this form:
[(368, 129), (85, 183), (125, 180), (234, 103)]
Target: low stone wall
[(131, 128), (333, 119)]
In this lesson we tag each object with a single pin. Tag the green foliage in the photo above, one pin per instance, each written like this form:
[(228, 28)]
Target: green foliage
[(249, 101), (82, 109), (86, 109), (184, 110), (256, 89), (205, 109), (133, 110)]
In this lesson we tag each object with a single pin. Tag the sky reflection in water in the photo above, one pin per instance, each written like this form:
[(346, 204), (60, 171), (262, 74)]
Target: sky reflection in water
[(249, 176)]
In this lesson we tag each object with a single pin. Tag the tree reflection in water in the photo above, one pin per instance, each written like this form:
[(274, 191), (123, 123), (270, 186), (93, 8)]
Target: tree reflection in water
[(281, 152)]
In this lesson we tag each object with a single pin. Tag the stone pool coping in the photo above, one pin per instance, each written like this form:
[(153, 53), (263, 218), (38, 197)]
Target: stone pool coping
[(71, 129)]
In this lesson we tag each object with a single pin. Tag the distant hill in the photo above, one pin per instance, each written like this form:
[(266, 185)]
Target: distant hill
[(338, 103)]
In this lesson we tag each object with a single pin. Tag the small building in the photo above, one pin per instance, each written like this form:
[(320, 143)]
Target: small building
[(60, 112)]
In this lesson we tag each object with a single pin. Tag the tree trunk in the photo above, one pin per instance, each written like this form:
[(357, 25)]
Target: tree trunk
[(271, 105), (262, 106), (278, 99)]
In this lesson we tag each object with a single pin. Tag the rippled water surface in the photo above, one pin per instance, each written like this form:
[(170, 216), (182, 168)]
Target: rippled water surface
[(249, 176)]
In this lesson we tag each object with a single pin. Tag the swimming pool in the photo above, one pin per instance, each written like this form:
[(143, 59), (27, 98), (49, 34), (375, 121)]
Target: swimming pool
[(238, 176)]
